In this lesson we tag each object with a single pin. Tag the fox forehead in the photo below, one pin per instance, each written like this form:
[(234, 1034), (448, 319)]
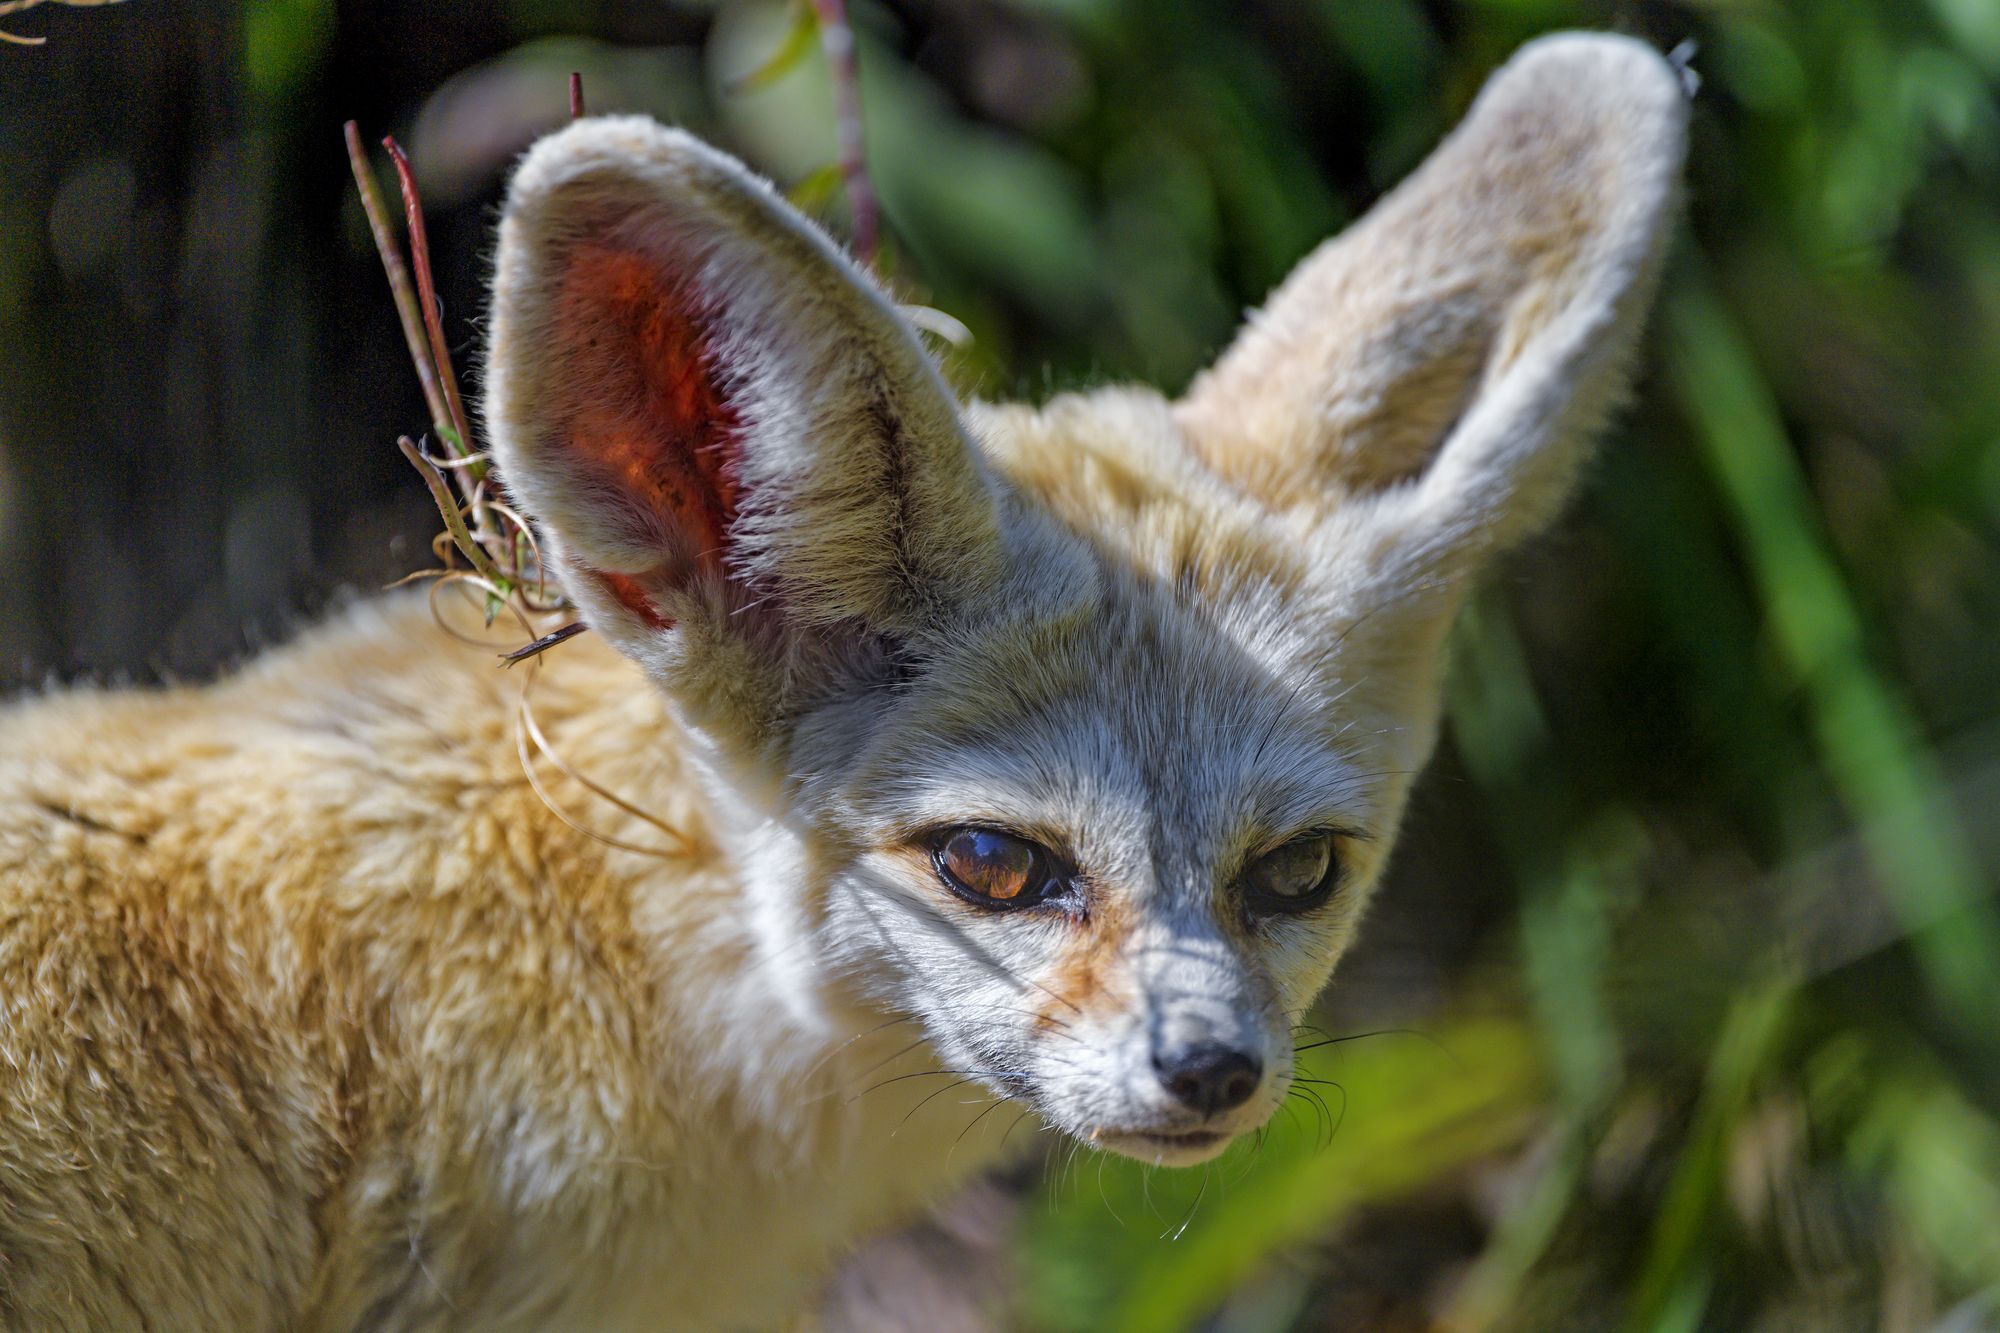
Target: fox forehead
[(1115, 467), (1129, 724), (1173, 698)]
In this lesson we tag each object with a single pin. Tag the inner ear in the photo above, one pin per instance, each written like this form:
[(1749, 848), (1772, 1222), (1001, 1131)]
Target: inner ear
[(1427, 363), (649, 423)]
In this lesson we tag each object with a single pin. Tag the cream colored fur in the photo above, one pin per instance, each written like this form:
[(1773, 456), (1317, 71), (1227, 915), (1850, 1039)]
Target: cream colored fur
[(313, 1015)]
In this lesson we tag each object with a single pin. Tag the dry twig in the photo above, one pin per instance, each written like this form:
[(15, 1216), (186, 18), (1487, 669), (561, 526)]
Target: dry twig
[(836, 35), (482, 530), (16, 6)]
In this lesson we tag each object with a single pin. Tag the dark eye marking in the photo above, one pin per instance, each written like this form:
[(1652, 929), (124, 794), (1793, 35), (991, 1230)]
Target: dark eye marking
[(994, 869), (1295, 877)]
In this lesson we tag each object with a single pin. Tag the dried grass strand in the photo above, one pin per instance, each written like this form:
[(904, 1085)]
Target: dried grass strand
[(542, 794), (398, 274), (443, 578), (527, 532), (420, 260), (527, 730), (16, 6), (416, 574), (533, 732), (479, 459), (447, 504)]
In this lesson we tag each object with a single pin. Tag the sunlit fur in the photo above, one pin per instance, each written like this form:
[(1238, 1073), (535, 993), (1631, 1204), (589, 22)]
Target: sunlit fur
[(317, 1016)]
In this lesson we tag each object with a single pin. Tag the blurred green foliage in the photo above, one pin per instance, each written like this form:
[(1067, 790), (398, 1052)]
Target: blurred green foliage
[(1696, 907)]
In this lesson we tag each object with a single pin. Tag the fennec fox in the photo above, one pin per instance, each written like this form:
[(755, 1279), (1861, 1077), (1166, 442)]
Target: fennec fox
[(1054, 749)]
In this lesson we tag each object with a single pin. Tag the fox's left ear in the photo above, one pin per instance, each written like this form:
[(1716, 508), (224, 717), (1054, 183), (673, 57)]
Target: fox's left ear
[(1432, 375), (746, 470)]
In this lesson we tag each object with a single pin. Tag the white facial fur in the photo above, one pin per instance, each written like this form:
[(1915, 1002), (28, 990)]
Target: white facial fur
[(1157, 806), (1160, 639)]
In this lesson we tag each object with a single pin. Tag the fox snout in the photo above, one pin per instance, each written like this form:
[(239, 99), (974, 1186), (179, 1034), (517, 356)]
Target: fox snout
[(1207, 1069), (1180, 1045), (1211, 1029)]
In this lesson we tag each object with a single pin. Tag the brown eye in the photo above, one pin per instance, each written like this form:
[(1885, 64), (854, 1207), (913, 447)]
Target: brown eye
[(994, 869), (1293, 878)]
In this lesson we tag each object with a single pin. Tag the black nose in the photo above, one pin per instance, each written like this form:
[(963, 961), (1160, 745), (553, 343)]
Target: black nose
[(1210, 1077)]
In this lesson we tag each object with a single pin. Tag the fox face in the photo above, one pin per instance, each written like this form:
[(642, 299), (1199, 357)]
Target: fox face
[(1081, 732), (1113, 844)]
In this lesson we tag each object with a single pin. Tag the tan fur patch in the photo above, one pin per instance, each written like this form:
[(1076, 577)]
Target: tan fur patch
[(1085, 979)]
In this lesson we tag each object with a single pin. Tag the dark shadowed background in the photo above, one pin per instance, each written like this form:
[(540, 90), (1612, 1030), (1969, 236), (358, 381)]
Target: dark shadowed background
[(1690, 950)]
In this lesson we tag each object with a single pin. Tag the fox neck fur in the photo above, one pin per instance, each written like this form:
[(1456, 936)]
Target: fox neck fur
[(450, 1058)]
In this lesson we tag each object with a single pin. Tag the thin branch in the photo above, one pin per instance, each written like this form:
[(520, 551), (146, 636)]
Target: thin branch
[(836, 35), (399, 277), (447, 504), (543, 644), (420, 259), (16, 6)]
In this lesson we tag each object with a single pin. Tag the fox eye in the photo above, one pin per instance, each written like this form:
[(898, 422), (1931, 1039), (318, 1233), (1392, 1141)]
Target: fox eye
[(1293, 878), (995, 869)]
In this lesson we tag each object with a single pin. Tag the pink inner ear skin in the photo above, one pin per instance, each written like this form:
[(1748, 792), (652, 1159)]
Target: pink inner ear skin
[(633, 598), (655, 424)]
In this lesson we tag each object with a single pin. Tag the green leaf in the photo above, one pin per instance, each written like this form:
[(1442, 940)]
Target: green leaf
[(1861, 723), (816, 190), (801, 39)]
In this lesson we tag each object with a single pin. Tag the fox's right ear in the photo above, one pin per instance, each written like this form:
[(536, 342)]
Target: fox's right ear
[(724, 431), (1430, 377)]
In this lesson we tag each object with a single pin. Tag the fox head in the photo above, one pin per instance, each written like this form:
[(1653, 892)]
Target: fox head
[(1079, 732)]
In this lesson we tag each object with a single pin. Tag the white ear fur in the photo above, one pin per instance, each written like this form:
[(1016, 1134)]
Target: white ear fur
[(1434, 373), (706, 406)]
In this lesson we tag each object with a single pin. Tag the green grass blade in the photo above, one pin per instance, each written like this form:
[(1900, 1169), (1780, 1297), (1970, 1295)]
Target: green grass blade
[(1865, 732)]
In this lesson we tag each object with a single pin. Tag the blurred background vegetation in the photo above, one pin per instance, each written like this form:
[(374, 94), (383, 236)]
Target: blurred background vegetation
[(1687, 978)]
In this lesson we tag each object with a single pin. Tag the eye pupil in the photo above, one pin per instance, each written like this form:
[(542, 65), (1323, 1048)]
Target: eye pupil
[(1292, 875), (991, 864)]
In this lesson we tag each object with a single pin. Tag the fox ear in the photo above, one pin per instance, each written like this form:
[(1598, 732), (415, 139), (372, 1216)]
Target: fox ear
[(719, 424), (1435, 371)]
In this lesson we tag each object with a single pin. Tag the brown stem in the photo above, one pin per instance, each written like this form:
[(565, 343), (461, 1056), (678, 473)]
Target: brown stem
[(576, 95), (454, 521), (836, 35), (399, 276), (543, 644), (420, 259)]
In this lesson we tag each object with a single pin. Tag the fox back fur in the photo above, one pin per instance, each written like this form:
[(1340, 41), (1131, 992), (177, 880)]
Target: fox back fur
[(1052, 749)]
